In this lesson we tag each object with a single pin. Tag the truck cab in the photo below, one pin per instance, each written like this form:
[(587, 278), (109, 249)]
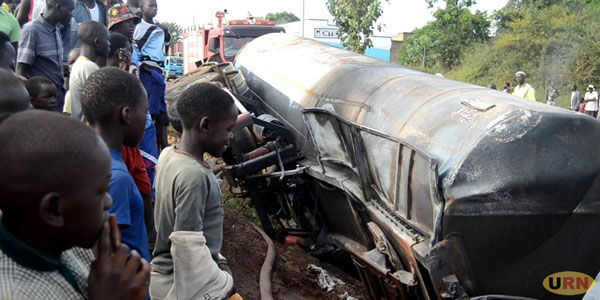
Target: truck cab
[(224, 42), (173, 67)]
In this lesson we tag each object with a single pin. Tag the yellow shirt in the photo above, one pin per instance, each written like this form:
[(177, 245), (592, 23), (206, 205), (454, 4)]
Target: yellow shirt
[(525, 91), (6, 7)]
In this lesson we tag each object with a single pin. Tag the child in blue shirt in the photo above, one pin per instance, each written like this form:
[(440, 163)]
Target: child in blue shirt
[(114, 103), (150, 39)]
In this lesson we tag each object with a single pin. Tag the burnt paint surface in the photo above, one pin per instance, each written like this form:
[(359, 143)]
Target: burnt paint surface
[(519, 180)]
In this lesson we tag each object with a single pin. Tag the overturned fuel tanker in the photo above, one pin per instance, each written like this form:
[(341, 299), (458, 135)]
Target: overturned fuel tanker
[(437, 189)]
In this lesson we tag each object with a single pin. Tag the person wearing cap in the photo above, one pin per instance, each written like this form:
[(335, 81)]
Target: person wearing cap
[(122, 19), (121, 22), (591, 101), (523, 89)]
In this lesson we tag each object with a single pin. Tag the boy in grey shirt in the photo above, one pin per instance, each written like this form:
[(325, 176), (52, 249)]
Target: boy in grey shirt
[(187, 193)]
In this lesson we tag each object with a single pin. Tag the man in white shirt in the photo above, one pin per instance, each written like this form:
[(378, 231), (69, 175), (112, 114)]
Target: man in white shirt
[(94, 10), (591, 101), (93, 37)]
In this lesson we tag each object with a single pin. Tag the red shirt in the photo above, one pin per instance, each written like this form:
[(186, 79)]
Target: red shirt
[(135, 165)]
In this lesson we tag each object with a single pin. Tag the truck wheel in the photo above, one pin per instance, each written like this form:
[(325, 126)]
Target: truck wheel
[(242, 143)]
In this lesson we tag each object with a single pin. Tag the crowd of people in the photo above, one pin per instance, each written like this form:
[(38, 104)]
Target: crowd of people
[(116, 213), (587, 104)]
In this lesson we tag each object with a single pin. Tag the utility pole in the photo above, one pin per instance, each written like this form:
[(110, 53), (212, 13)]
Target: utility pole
[(303, 18)]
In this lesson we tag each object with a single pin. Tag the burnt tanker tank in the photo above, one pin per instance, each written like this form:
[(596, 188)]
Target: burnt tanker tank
[(463, 189)]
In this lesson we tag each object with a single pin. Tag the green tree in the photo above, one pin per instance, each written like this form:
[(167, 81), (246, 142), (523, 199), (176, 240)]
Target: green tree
[(555, 42), (175, 31), (442, 42), (282, 17), (356, 20)]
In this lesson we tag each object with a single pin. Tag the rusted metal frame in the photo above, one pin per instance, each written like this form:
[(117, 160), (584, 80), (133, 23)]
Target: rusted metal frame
[(398, 172), (402, 240), (383, 286), (358, 255), (438, 205), (399, 221), (409, 199), (384, 246), (365, 277)]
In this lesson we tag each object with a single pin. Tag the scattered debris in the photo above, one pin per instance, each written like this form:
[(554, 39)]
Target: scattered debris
[(347, 296), (325, 281)]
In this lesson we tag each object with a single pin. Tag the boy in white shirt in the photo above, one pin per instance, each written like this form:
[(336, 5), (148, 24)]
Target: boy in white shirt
[(93, 38)]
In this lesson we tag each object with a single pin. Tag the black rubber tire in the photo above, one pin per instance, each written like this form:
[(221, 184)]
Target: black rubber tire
[(242, 143)]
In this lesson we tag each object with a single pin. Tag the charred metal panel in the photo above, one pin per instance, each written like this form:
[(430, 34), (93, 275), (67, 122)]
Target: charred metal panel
[(330, 146), (383, 160)]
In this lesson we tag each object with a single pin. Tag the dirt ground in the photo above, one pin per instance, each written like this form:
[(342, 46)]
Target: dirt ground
[(245, 250)]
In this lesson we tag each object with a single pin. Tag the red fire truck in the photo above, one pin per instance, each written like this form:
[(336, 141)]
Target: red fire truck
[(222, 43)]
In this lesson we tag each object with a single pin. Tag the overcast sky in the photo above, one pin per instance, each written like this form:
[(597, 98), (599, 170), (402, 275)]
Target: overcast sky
[(398, 16)]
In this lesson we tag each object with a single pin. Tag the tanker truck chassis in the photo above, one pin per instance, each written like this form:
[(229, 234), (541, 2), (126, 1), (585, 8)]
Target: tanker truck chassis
[(436, 189)]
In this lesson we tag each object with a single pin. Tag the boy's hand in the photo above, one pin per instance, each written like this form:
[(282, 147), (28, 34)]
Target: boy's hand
[(116, 273), (124, 59)]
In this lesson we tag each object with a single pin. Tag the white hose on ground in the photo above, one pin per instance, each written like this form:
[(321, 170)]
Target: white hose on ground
[(267, 267)]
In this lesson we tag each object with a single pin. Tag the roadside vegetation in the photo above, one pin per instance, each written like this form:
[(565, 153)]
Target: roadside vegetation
[(356, 20), (550, 40), (282, 17)]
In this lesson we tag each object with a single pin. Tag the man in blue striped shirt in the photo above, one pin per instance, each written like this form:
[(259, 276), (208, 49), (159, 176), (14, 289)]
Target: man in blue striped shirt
[(40, 46)]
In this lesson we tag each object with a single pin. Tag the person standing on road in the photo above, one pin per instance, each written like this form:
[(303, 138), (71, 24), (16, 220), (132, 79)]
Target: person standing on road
[(591, 101), (40, 46), (150, 39), (575, 98), (551, 94), (523, 89)]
